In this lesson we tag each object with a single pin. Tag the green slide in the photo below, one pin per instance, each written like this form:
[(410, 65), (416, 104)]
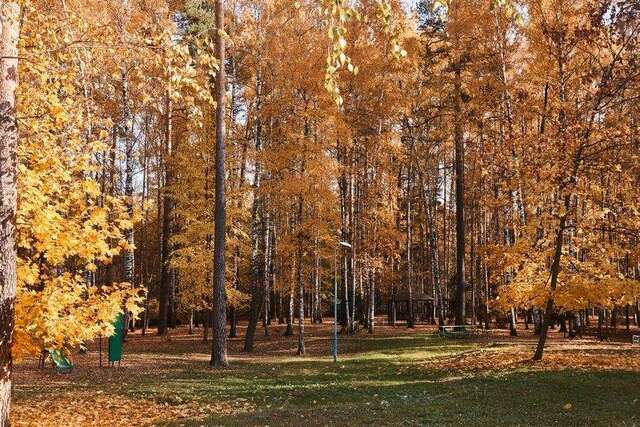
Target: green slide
[(62, 363)]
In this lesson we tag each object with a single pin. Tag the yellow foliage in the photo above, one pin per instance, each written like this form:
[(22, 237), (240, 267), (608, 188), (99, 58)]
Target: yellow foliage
[(65, 226)]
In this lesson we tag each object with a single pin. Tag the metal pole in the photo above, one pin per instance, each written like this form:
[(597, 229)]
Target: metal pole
[(335, 305)]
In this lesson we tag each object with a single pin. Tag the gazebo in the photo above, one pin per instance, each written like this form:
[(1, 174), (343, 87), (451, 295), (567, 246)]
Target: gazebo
[(422, 306)]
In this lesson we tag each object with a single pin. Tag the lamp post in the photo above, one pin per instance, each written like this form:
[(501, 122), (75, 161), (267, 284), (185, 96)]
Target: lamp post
[(335, 300)]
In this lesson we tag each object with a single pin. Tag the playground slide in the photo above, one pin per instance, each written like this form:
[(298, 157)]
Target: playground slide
[(61, 362)]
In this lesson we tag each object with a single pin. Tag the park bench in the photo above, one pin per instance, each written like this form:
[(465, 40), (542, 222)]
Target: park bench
[(459, 331)]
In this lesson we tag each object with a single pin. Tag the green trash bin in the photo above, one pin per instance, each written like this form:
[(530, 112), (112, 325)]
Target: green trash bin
[(115, 341)]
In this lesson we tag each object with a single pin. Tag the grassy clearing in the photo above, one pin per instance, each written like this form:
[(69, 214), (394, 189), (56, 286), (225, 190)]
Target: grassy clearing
[(397, 378)]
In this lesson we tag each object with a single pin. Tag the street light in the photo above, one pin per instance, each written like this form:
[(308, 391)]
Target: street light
[(335, 299)]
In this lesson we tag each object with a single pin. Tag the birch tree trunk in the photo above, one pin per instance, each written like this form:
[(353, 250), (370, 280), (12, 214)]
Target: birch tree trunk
[(9, 34), (290, 313), (126, 134), (145, 222), (266, 268), (126, 128), (372, 301)]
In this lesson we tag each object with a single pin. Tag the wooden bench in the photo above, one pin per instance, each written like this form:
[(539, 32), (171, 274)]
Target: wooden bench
[(459, 331)]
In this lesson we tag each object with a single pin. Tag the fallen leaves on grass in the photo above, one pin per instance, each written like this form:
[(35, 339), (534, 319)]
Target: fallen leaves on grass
[(556, 357), (159, 380), (81, 409)]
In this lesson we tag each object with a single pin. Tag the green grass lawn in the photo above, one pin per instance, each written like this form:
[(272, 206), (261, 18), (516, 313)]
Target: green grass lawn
[(388, 384), (388, 380)]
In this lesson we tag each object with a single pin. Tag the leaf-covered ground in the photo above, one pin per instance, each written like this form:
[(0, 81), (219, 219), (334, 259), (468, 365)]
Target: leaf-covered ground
[(396, 377)]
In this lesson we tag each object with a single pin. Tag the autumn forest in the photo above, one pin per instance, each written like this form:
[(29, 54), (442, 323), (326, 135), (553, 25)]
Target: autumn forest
[(302, 208)]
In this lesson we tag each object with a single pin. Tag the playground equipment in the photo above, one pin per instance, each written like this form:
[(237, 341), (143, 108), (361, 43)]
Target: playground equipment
[(60, 361)]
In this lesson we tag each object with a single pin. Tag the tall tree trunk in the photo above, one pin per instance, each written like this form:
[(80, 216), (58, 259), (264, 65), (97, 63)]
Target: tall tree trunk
[(315, 305), (343, 184), (290, 309), (145, 194), (460, 223), (348, 319), (127, 130), (277, 270), (166, 291), (446, 205), (409, 243), (301, 349), (265, 275), (372, 301), (219, 340), (233, 322), (393, 309), (473, 274), (626, 317), (257, 275), (173, 285), (431, 201), (9, 35), (207, 325), (352, 250), (257, 233)]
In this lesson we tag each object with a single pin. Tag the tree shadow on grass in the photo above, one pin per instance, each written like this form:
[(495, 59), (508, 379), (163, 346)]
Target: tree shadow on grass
[(383, 397), (390, 383)]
